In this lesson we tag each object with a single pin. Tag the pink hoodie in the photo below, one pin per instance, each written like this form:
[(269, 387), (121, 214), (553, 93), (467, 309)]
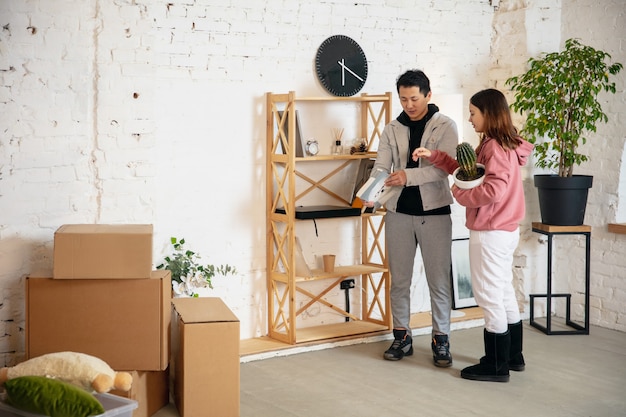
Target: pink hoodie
[(498, 203)]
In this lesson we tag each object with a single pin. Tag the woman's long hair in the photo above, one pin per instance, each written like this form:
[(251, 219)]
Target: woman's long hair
[(497, 118)]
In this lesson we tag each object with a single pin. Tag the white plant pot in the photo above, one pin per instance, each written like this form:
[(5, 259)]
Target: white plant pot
[(466, 185)]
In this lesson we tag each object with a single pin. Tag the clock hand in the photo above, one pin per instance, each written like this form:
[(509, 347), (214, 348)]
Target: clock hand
[(343, 72), (343, 66)]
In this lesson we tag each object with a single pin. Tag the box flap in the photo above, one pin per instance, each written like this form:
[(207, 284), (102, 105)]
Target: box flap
[(106, 228), (203, 310)]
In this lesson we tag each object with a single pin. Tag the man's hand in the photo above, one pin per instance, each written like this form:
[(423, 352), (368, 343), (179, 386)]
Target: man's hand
[(396, 178)]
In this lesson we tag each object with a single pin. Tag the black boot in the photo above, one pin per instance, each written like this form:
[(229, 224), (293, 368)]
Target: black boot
[(516, 359), (494, 366)]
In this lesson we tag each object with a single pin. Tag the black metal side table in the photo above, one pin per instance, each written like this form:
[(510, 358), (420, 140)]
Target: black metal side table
[(550, 231)]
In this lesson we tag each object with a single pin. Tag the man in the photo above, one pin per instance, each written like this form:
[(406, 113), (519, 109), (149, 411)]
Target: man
[(418, 213)]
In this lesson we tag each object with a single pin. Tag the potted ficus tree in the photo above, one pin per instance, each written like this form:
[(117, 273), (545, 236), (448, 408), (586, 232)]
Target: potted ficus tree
[(469, 174), (559, 96)]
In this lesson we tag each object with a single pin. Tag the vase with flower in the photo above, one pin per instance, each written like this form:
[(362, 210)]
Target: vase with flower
[(189, 276)]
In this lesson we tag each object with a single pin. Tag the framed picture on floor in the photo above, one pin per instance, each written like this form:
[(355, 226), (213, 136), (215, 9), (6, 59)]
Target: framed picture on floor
[(461, 276)]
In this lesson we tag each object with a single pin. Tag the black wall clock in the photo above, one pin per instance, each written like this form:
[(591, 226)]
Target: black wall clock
[(341, 66)]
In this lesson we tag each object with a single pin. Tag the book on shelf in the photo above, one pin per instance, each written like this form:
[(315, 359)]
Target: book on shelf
[(374, 189)]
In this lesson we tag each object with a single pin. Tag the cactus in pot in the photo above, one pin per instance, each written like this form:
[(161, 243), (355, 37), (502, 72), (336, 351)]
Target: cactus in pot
[(466, 157), (469, 174)]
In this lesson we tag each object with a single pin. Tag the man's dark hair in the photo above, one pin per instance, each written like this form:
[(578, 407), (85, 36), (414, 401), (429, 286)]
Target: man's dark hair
[(414, 78)]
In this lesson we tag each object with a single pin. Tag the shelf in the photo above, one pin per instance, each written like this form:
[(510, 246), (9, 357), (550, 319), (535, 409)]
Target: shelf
[(619, 228), (548, 228), (342, 272), (284, 158), (312, 336), (322, 212), (343, 157), (337, 330), (362, 98)]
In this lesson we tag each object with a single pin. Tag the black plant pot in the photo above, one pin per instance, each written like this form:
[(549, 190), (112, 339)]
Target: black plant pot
[(563, 200)]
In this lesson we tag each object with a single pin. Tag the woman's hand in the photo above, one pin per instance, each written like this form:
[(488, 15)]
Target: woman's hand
[(420, 153)]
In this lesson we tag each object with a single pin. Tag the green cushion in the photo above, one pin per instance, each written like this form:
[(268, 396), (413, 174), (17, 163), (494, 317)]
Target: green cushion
[(41, 395)]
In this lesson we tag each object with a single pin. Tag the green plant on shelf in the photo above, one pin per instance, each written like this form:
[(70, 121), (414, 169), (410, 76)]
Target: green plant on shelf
[(188, 274)]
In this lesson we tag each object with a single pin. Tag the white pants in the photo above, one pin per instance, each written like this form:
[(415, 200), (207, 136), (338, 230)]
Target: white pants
[(491, 266)]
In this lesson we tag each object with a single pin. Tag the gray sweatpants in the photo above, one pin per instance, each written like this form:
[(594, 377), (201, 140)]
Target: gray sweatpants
[(433, 234)]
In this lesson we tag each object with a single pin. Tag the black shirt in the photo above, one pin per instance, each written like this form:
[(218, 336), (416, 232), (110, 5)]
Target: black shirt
[(410, 201)]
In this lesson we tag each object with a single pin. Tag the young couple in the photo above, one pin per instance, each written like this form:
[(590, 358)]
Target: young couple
[(418, 150)]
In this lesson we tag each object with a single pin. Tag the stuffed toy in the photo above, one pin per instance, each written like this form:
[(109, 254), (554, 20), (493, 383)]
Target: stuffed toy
[(50, 397), (79, 369)]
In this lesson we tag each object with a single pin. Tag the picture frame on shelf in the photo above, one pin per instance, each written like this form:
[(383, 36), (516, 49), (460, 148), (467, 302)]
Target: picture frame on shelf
[(463, 296), (299, 144), (302, 267)]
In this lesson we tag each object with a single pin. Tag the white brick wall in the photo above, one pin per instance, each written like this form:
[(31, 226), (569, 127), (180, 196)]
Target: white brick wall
[(153, 112), (608, 266), (547, 24)]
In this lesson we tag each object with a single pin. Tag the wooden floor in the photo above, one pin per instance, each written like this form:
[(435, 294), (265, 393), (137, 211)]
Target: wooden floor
[(334, 333), (565, 376)]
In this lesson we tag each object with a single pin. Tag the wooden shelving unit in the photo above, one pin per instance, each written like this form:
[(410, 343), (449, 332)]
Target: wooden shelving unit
[(283, 284)]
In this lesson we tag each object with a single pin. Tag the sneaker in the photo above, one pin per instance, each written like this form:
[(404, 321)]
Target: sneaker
[(441, 351), (402, 346)]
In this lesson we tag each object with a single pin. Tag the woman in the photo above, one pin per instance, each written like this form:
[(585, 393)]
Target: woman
[(493, 212)]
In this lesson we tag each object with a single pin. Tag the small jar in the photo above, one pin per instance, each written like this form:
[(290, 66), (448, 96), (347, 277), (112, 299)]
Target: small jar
[(337, 148)]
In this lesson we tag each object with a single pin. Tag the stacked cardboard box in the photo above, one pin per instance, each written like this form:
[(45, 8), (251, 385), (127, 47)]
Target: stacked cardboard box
[(109, 251), (104, 300), (205, 353)]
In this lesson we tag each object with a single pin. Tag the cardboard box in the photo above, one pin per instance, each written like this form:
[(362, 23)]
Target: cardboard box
[(125, 322), (205, 349), (151, 390), (83, 251)]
